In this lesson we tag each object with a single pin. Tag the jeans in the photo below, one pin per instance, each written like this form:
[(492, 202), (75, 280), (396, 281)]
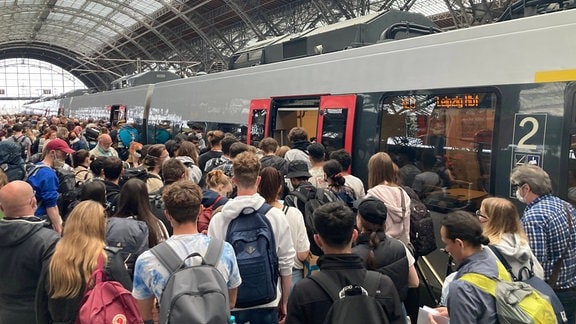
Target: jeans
[(297, 276), (257, 316), (568, 300)]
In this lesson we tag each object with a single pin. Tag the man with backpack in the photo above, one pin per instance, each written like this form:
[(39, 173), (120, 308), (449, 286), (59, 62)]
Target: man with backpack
[(155, 272), (263, 246), (306, 198), (113, 169), (22, 140), (343, 291), (482, 290), (45, 182)]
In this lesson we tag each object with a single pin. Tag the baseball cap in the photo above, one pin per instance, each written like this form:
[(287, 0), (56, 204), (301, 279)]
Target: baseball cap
[(297, 169), (59, 145), (372, 210)]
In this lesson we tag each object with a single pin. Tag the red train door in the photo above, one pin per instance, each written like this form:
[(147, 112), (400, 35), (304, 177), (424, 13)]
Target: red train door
[(336, 122), (258, 120)]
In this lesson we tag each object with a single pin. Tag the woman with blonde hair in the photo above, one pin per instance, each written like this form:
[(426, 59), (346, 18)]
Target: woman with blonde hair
[(218, 186), (64, 280), (382, 181), (501, 224)]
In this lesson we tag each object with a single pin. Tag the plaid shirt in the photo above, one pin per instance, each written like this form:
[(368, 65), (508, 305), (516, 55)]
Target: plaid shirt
[(546, 224)]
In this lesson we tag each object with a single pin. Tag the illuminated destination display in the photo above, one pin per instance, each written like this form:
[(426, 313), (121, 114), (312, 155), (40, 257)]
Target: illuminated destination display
[(458, 101)]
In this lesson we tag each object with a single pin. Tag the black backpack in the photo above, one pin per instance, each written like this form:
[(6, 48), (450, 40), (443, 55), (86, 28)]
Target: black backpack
[(252, 238), (11, 161), (157, 207), (308, 198), (128, 174), (422, 235), (353, 303), (204, 299), (68, 190)]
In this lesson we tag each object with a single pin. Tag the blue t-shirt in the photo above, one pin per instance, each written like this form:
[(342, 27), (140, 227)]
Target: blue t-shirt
[(150, 276), (44, 181)]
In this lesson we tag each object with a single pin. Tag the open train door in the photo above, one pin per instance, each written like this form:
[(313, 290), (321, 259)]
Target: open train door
[(336, 122), (258, 120)]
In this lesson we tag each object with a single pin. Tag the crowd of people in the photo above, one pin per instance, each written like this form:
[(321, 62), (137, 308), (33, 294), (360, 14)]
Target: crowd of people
[(320, 222)]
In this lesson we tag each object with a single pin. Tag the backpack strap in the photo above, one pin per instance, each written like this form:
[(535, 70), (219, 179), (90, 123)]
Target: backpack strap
[(216, 201), (327, 284), (484, 282), (503, 261), (167, 256), (263, 210), (32, 172), (299, 196), (372, 282), (214, 252), (285, 209)]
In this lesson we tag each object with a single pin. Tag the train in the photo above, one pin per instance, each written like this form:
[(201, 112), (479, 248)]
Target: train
[(481, 100)]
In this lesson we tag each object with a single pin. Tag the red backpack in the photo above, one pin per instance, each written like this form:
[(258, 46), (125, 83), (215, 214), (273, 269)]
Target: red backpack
[(206, 215), (107, 302)]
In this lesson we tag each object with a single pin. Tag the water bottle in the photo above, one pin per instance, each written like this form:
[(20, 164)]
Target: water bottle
[(232, 319)]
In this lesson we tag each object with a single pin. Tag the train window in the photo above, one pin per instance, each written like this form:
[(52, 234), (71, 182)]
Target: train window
[(442, 144), (334, 129), (258, 125)]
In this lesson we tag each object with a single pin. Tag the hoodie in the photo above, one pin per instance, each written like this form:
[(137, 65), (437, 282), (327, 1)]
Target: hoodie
[(398, 216), (518, 255), (284, 247), (25, 246)]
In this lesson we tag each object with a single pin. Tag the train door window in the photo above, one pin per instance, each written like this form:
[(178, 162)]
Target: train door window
[(258, 120), (294, 112), (336, 122), (442, 144)]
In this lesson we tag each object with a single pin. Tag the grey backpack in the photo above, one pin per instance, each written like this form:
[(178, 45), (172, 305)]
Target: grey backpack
[(193, 294)]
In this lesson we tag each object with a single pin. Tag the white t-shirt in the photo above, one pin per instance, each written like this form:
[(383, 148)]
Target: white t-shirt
[(297, 233), (356, 184), (318, 177)]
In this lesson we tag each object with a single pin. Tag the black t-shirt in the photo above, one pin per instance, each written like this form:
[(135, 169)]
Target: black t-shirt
[(206, 157)]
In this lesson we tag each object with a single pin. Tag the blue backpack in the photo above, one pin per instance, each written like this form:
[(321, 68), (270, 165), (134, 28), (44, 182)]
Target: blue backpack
[(251, 236)]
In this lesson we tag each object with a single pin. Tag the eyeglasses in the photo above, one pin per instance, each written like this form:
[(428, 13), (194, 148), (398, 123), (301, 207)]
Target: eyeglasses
[(479, 214), (515, 186)]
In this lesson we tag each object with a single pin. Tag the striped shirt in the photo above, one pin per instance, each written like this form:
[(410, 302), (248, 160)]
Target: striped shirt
[(546, 224)]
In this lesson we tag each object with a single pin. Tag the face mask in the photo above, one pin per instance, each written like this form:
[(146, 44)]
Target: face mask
[(58, 163), (518, 196), (104, 151)]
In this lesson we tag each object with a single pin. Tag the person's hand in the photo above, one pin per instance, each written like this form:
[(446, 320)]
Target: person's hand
[(205, 232), (282, 311), (431, 319), (442, 311), (57, 228)]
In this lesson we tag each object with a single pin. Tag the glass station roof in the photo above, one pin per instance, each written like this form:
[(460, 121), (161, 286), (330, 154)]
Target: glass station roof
[(77, 25)]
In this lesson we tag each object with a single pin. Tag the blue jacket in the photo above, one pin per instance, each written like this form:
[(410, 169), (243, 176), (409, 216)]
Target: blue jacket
[(45, 183), (466, 303)]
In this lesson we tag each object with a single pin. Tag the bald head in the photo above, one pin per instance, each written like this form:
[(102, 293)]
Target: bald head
[(105, 141), (17, 199)]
